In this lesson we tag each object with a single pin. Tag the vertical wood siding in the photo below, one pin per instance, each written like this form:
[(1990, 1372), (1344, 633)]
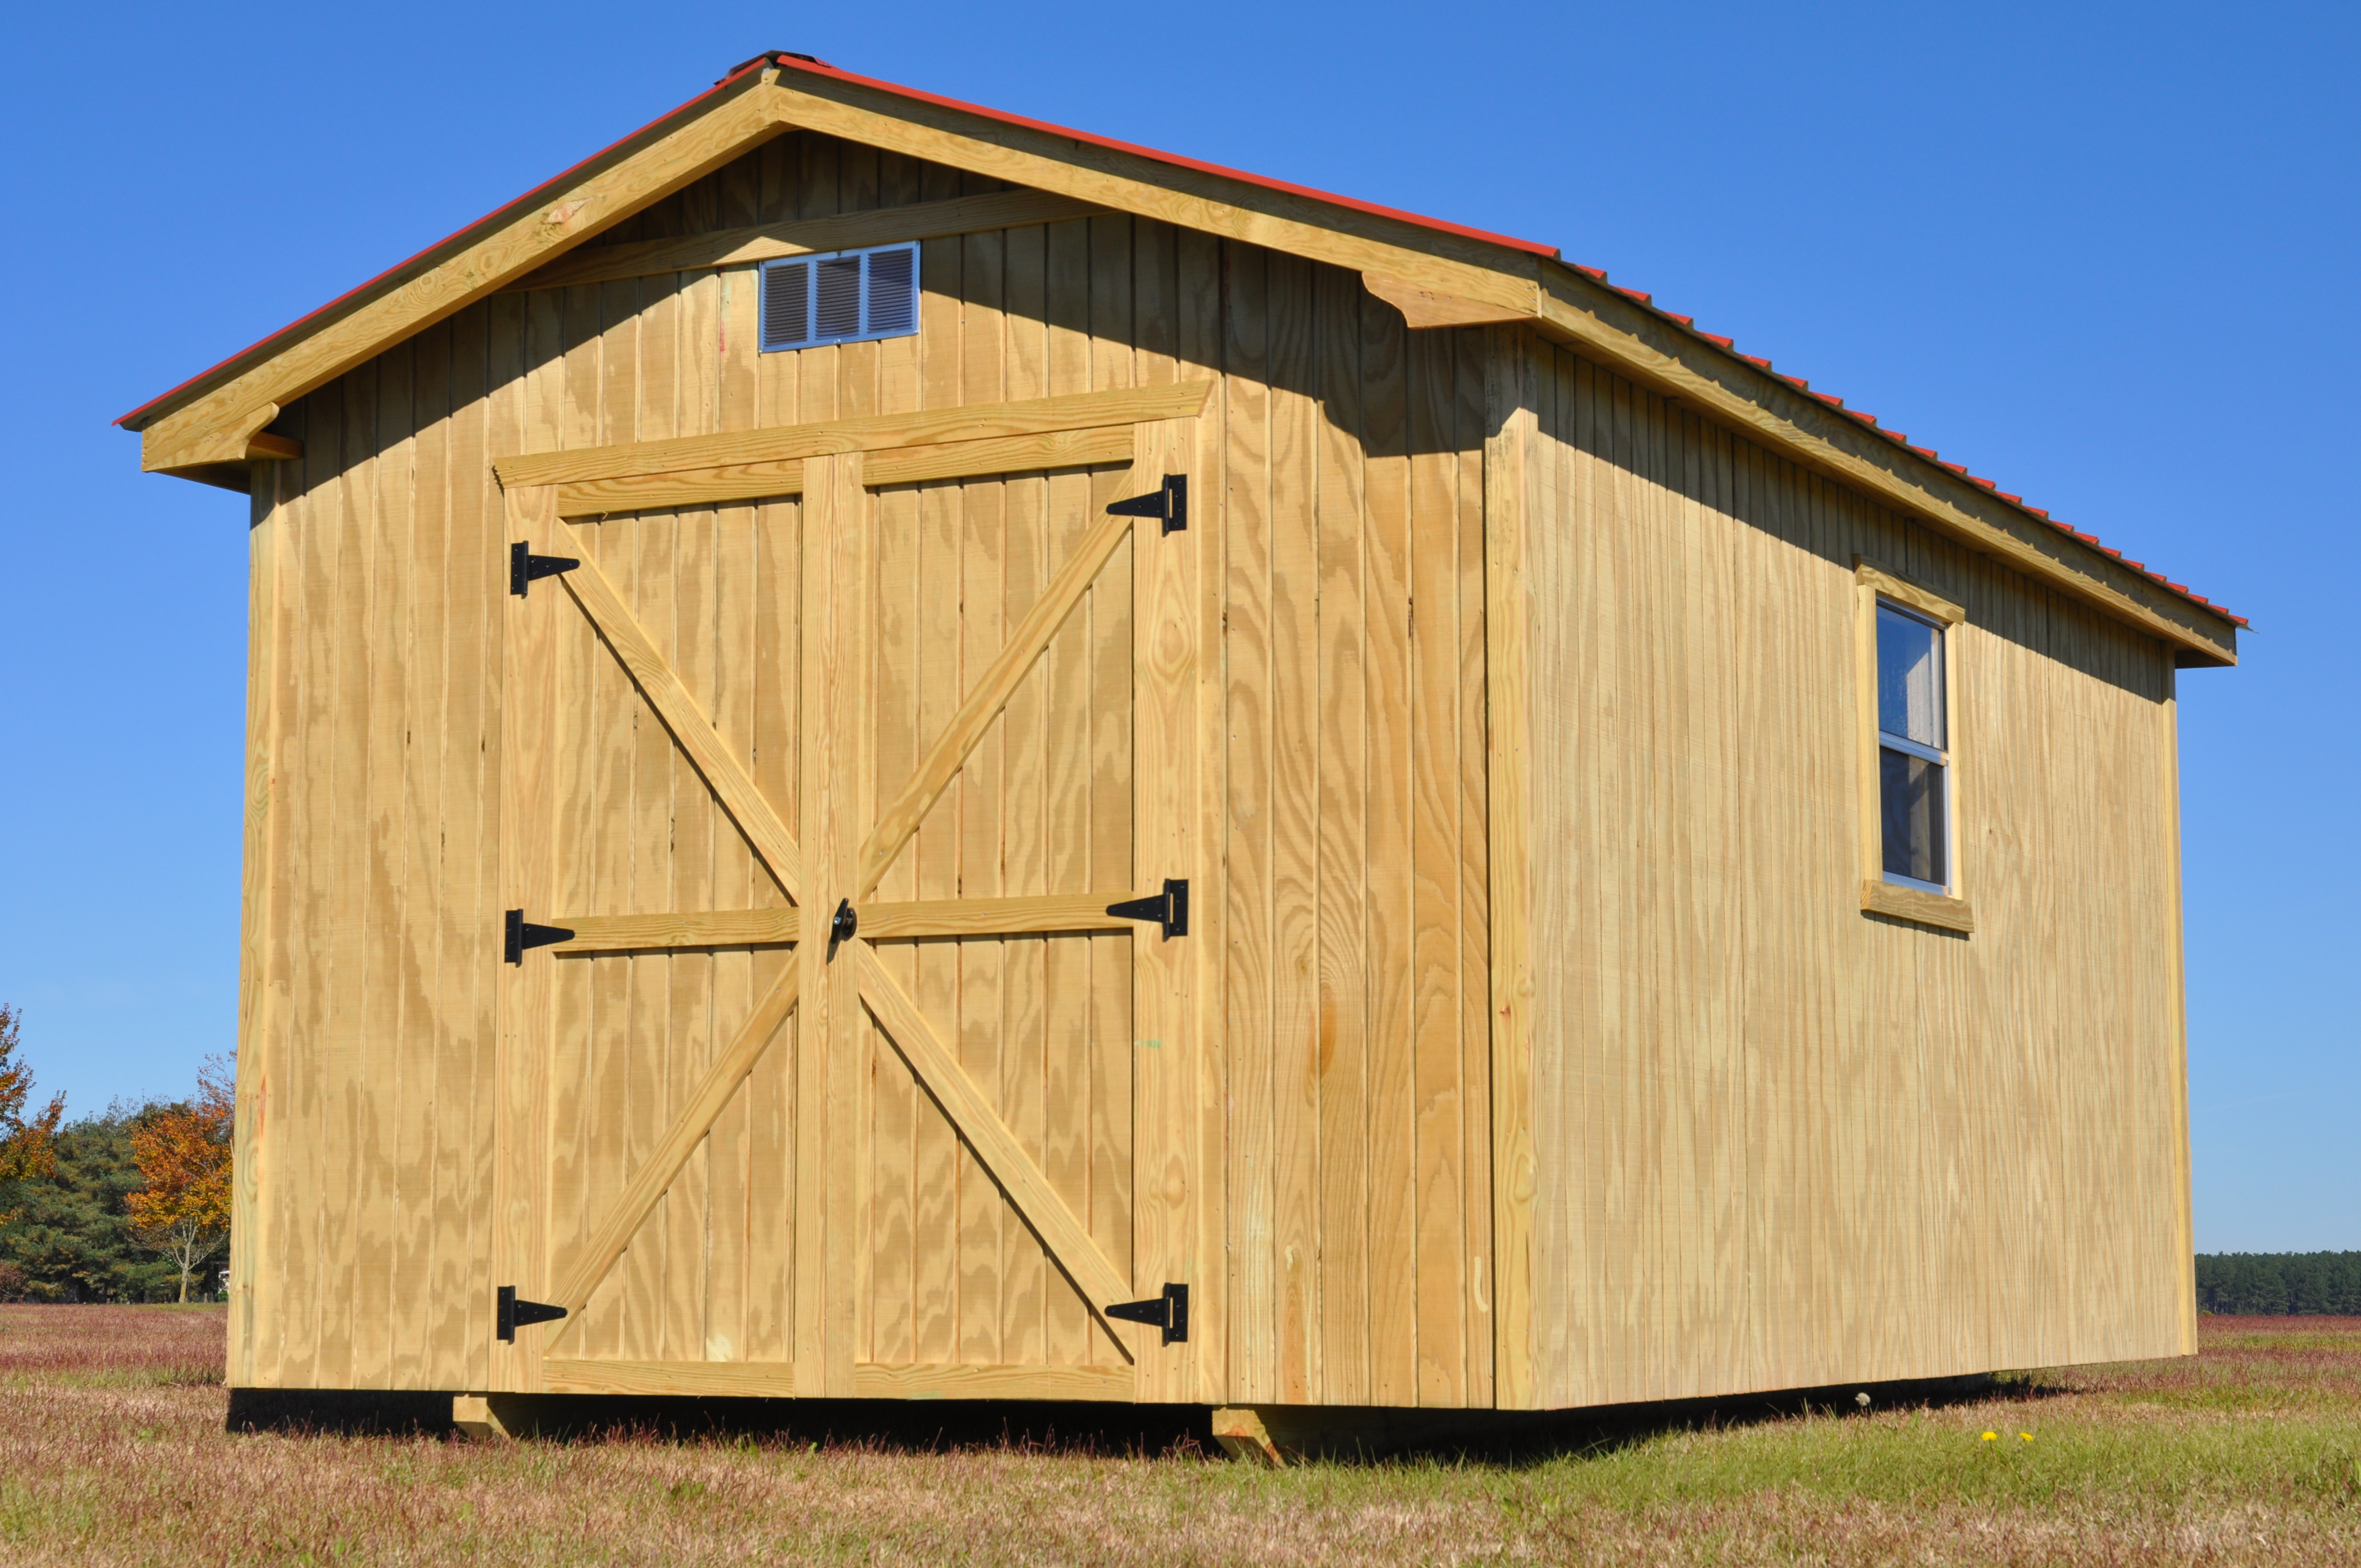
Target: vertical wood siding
[(1345, 482), (1780, 1141)]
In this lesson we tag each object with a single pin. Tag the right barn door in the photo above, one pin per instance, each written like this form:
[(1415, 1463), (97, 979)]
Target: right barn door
[(999, 800)]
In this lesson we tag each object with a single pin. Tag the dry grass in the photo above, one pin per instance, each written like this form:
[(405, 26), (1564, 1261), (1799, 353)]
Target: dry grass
[(111, 1450)]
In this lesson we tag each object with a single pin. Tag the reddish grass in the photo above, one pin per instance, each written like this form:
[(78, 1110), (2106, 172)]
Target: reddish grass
[(97, 1344), (111, 1450)]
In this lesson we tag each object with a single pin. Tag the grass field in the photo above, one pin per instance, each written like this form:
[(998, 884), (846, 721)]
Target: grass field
[(113, 1450)]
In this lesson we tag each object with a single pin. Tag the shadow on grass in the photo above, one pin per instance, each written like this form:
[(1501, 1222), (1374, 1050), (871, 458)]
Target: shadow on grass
[(1512, 1439)]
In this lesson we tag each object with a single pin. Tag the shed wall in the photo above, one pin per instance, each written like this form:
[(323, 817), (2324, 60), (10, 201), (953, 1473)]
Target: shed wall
[(1351, 1199), (1779, 1142)]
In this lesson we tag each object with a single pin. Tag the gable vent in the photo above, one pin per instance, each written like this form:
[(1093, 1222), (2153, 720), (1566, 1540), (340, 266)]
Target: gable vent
[(848, 297)]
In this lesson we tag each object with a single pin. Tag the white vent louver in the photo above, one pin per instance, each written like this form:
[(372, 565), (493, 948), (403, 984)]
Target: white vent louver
[(808, 301)]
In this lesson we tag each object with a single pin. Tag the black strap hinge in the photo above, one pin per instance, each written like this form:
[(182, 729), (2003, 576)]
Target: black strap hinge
[(1169, 1311), (1168, 909), (521, 935), (513, 1313), (524, 566), (1170, 503)]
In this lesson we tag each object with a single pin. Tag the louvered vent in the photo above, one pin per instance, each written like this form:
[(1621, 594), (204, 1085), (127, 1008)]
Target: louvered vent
[(893, 299), (846, 298), (786, 305)]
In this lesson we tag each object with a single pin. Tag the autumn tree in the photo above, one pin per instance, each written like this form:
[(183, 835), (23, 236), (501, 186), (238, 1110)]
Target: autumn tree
[(182, 1207), (27, 1146)]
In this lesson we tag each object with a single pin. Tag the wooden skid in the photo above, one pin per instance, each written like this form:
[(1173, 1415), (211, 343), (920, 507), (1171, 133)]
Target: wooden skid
[(774, 1380), (959, 1381), (866, 432), (895, 466), (777, 1380)]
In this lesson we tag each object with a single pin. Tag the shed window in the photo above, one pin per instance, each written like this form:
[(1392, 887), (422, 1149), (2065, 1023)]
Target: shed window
[(1910, 661), (850, 297), (1914, 764)]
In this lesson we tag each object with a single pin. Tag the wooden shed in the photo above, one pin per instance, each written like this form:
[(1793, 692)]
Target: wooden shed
[(899, 753)]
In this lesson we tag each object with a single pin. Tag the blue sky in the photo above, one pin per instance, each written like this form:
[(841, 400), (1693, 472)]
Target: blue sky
[(2104, 254)]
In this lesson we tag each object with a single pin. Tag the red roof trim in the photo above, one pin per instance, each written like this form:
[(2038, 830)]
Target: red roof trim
[(805, 63), (811, 67), (257, 348)]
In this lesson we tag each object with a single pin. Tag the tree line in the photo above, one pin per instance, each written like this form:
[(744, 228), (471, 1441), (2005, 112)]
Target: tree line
[(130, 1205), (2279, 1284)]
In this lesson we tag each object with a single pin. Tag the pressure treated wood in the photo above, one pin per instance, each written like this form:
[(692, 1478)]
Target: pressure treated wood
[(1068, 1238), (851, 231), (1530, 1046), (663, 1166), (899, 818), (219, 424), (1775, 1135), (893, 465), (1437, 276), (859, 433), (679, 708)]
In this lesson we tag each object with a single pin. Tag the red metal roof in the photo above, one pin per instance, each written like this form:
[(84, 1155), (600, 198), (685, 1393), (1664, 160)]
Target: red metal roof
[(803, 62)]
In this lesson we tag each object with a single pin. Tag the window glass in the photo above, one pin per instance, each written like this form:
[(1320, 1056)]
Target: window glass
[(1912, 792), (1912, 757), (1910, 677)]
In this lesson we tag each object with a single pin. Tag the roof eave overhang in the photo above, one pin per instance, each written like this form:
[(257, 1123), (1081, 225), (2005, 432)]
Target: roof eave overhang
[(210, 418), (1438, 273), (1678, 362)]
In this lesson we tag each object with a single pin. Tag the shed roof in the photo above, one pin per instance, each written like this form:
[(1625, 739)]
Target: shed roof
[(1460, 249)]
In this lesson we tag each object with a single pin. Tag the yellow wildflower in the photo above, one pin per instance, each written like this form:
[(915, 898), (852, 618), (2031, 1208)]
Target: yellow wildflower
[(1992, 1437)]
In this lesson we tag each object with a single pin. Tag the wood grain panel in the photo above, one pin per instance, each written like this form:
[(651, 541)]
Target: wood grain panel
[(1781, 1138), (1557, 1061)]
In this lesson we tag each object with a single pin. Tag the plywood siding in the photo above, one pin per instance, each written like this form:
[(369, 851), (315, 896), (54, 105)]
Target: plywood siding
[(1341, 485), (1358, 1188), (1779, 1142), (367, 1040)]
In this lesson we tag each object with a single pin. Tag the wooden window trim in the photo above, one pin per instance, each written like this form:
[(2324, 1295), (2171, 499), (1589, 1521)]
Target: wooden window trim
[(1950, 911)]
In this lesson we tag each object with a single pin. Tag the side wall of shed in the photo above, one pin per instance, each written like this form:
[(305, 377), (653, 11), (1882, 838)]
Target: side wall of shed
[(1777, 1142), (1352, 1206)]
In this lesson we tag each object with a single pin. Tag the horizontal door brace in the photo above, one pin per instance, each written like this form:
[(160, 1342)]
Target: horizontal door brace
[(862, 433), (1041, 915)]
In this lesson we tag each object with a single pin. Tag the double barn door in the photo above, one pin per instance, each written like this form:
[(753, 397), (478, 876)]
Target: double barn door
[(848, 1043)]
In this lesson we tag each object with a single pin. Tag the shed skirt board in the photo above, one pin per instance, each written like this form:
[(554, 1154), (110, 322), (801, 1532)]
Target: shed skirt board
[(835, 1086)]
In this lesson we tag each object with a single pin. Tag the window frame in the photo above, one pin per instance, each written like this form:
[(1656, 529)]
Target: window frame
[(1881, 893), (811, 298)]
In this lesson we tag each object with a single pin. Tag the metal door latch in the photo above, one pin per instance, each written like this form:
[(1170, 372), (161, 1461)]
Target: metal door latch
[(843, 923), (512, 1313), (1170, 503), (524, 566), (1168, 909), (1169, 1311)]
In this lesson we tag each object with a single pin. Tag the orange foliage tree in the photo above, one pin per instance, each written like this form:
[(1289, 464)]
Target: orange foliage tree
[(183, 1208), (27, 1146)]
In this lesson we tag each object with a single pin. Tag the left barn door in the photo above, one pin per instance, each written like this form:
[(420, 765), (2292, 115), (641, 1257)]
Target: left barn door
[(644, 1138)]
